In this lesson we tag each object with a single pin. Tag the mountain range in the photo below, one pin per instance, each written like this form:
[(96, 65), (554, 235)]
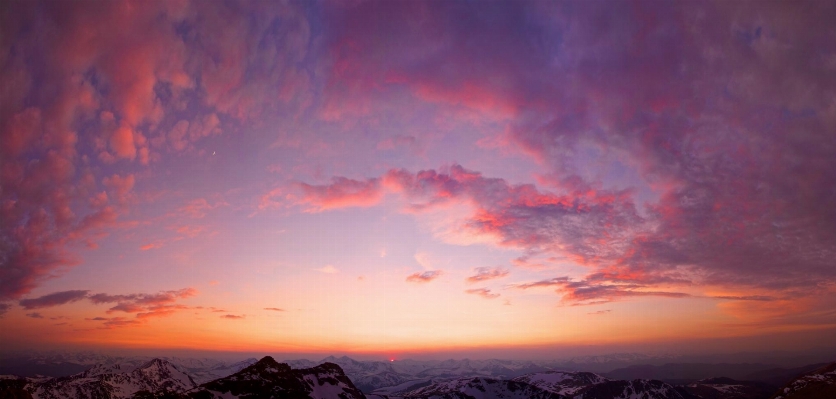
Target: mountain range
[(347, 378)]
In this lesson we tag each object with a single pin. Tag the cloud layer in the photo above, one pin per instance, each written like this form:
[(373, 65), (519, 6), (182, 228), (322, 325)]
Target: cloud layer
[(93, 93)]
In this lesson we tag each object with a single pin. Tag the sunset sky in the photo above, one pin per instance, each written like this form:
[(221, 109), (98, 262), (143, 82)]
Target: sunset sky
[(404, 177)]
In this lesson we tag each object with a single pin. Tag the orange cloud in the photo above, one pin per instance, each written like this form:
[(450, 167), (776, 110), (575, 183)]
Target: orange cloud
[(483, 292)]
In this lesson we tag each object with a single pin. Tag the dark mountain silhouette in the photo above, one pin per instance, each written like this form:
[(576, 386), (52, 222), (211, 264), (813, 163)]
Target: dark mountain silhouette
[(270, 379)]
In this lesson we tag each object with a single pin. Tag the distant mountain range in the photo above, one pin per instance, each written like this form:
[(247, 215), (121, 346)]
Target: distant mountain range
[(162, 379), (346, 378)]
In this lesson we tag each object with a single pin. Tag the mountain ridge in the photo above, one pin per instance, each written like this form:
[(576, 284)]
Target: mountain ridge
[(268, 378)]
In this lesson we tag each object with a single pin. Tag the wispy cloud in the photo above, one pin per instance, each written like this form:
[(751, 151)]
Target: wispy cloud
[(341, 193), (487, 273), (424, 277), (598, 290), (147, 305), (328, 269), (54, 299), (483, 292)]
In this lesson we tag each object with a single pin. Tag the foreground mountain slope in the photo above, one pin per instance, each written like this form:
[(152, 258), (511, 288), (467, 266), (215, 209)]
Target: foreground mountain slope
[(480, 388), (560, 382), (111, 383), (726, 388), (818, 384), (546, 385)]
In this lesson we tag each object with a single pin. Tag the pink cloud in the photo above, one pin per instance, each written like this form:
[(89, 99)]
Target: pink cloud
[(341, 193), (483, 292), (120, 187), (424, 277), (122, 143), (110, 83), (487, 273), (199, 207), (153, 245)]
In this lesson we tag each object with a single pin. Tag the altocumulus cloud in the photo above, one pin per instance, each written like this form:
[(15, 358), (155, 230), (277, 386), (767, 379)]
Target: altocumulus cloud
[(132, 122)]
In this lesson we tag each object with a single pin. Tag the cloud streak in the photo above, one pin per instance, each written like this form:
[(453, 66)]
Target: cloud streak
[(54, 299), (487, 273), (483, 292), (424, 277)]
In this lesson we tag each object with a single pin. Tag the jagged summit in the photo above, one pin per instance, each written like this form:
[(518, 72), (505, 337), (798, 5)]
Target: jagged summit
[(268, 364), (268, 378), (266, 369)]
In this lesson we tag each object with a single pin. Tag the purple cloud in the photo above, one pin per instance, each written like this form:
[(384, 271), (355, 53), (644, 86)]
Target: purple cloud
[(146, 305), (45, 159), (598, 289), (54, 299)]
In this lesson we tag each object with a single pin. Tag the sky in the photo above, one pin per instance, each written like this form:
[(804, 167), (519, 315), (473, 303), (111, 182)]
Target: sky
[(404, 177)]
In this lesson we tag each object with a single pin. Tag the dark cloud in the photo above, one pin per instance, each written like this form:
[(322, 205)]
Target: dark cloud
[(146, 305), (598, 290), (483, 292), (35, 315), (232, 316), (4, 307), (487, 273), (424, 277), (54, 299), (600, 312), (275, 309), (746, 297)]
